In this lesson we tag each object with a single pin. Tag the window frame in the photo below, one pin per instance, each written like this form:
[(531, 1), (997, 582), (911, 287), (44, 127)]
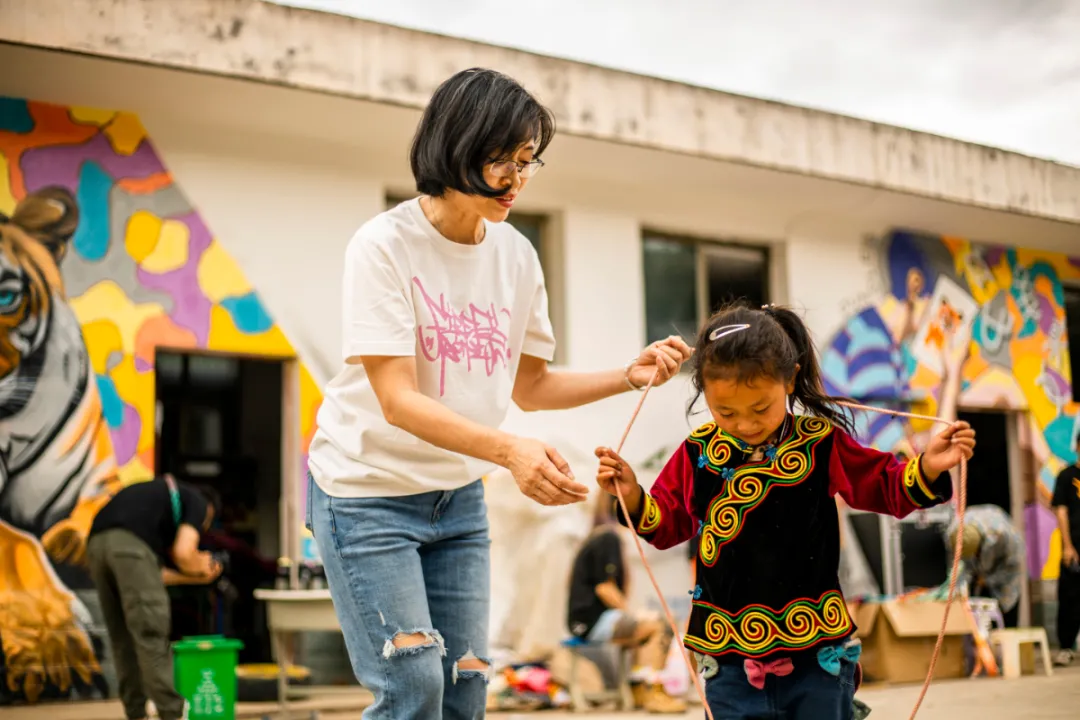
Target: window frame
[(704, 246)]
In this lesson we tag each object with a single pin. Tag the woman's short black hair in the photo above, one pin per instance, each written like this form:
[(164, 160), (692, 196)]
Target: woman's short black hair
[(474, 117)]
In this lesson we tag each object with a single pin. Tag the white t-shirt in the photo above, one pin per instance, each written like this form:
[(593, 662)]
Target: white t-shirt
[(466, 312)]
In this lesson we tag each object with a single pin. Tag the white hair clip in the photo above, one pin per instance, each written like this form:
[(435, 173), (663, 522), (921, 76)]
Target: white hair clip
[(726, 330)]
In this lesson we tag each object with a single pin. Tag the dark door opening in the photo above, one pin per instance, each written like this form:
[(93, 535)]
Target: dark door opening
[(926, 558), (988, 470), (219, 424)]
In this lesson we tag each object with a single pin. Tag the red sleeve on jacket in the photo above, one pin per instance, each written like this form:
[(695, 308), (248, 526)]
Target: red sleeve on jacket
[(665, 519), (876, 481)]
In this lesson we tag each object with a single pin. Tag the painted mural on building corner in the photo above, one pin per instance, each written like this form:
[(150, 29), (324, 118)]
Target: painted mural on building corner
[(102, 259), (954, 322)]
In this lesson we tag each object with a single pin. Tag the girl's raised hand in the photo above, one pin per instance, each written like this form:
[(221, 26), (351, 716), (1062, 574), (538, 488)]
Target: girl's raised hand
[(614, 471), (948, 449)]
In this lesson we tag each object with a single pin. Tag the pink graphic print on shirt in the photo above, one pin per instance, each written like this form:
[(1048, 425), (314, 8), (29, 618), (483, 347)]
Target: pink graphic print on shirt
[(462, 335)]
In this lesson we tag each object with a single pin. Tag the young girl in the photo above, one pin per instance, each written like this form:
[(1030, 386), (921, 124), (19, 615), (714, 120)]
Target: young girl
[(769, 624)]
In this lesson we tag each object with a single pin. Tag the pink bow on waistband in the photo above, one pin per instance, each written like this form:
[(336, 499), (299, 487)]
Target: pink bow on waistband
[(756, 671)]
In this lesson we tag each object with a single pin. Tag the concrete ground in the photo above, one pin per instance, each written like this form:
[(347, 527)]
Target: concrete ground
[(1041, 698)]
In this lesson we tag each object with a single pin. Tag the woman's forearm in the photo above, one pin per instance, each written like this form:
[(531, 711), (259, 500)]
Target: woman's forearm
[(433, 422), (562, 389)]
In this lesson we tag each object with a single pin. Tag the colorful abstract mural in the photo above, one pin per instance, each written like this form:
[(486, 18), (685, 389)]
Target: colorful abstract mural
[(972, 325), (103, 260)]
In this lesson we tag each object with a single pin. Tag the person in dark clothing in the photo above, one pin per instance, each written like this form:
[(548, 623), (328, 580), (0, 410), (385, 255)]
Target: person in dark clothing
[(598, 613), (1066, 503), (145, 538)]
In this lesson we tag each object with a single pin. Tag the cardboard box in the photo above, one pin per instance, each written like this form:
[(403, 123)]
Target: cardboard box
[(899, 636)]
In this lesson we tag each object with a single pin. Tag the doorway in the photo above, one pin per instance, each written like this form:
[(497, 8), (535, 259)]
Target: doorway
[(926, 558), (219, 428), (989, 481), (911, 553)]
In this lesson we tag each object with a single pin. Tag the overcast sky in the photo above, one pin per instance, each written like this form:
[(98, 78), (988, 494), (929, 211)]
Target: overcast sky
[(999, 72)]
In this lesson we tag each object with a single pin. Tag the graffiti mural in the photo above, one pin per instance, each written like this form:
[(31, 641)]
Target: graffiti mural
[(980, 326), (102, 260)]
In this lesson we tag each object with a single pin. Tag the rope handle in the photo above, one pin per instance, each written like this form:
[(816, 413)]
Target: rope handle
[(961, 503)]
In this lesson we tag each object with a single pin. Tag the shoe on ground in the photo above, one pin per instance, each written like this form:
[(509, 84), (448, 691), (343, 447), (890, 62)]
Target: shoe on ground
[(654, 699), (1064, 658)]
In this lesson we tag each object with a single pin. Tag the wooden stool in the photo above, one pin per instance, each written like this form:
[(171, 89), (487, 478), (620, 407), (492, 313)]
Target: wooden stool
[(613, 662), (1010, 641)]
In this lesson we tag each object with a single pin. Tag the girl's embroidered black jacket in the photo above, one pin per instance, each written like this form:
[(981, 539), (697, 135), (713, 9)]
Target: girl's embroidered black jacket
[(769, 547)]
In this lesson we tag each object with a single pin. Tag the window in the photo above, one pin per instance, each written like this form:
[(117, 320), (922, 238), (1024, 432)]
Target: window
[(536, 229), (687, 280), (1072, 329)]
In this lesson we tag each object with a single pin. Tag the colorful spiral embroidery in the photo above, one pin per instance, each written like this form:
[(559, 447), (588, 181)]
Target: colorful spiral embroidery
[(913, 477), (749, 485), (650, 516), (714, 447), (758, 630)]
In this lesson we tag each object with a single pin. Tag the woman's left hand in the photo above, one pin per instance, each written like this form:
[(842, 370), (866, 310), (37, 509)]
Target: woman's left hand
[(665, 356), (947, 449)]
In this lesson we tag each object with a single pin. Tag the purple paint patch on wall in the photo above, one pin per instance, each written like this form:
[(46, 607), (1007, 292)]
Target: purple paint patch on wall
[(191, 308), (60, 165), (1041, 524)]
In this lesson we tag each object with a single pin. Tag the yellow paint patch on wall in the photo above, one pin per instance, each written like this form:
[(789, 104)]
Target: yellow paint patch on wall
[(1003, 274), (226, 337), (7, 199), (107, 301), (134, 471), (137, 390), (102, 340), (219, 275), (1052, 567), (143, 231), (125, 133), (171, 252), (310, 398), (91, 116)]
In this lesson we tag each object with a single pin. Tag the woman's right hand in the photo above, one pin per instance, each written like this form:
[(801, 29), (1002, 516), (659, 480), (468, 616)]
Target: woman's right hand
[(542, 473)]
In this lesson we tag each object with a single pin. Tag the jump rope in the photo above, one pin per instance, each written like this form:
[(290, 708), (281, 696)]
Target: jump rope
[(961, 503)]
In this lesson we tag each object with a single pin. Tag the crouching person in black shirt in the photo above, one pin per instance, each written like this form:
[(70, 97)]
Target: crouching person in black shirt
[(598, 612), (145, 538)]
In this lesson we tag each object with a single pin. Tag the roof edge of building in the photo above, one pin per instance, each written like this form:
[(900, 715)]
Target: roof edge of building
[(346, 56)]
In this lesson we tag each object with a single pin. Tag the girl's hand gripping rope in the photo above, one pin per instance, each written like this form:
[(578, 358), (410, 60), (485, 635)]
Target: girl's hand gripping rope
[(948, 449), (615, 474)]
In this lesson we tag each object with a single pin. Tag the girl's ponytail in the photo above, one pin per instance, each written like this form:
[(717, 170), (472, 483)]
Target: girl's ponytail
[(809, 390)]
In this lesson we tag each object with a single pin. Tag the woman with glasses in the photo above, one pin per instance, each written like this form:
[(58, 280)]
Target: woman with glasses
[(445, 322)]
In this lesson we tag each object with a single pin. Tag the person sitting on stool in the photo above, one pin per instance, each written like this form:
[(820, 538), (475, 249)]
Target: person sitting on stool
[(992, 558), (145, 538), (598, 613)]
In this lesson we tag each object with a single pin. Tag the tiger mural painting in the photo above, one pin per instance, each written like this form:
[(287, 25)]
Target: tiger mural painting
[(56, 459)]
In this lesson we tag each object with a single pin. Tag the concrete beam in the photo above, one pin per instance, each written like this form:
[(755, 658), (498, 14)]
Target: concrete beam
[(328, 53)]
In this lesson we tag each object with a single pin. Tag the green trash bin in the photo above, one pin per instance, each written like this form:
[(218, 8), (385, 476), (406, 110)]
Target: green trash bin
[(204, 669)]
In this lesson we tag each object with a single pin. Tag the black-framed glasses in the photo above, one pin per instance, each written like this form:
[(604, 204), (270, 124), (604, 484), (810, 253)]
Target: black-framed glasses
[(506, 168)]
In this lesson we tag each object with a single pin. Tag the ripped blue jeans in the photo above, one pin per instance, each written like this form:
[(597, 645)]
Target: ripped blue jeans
[(404, 570)]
